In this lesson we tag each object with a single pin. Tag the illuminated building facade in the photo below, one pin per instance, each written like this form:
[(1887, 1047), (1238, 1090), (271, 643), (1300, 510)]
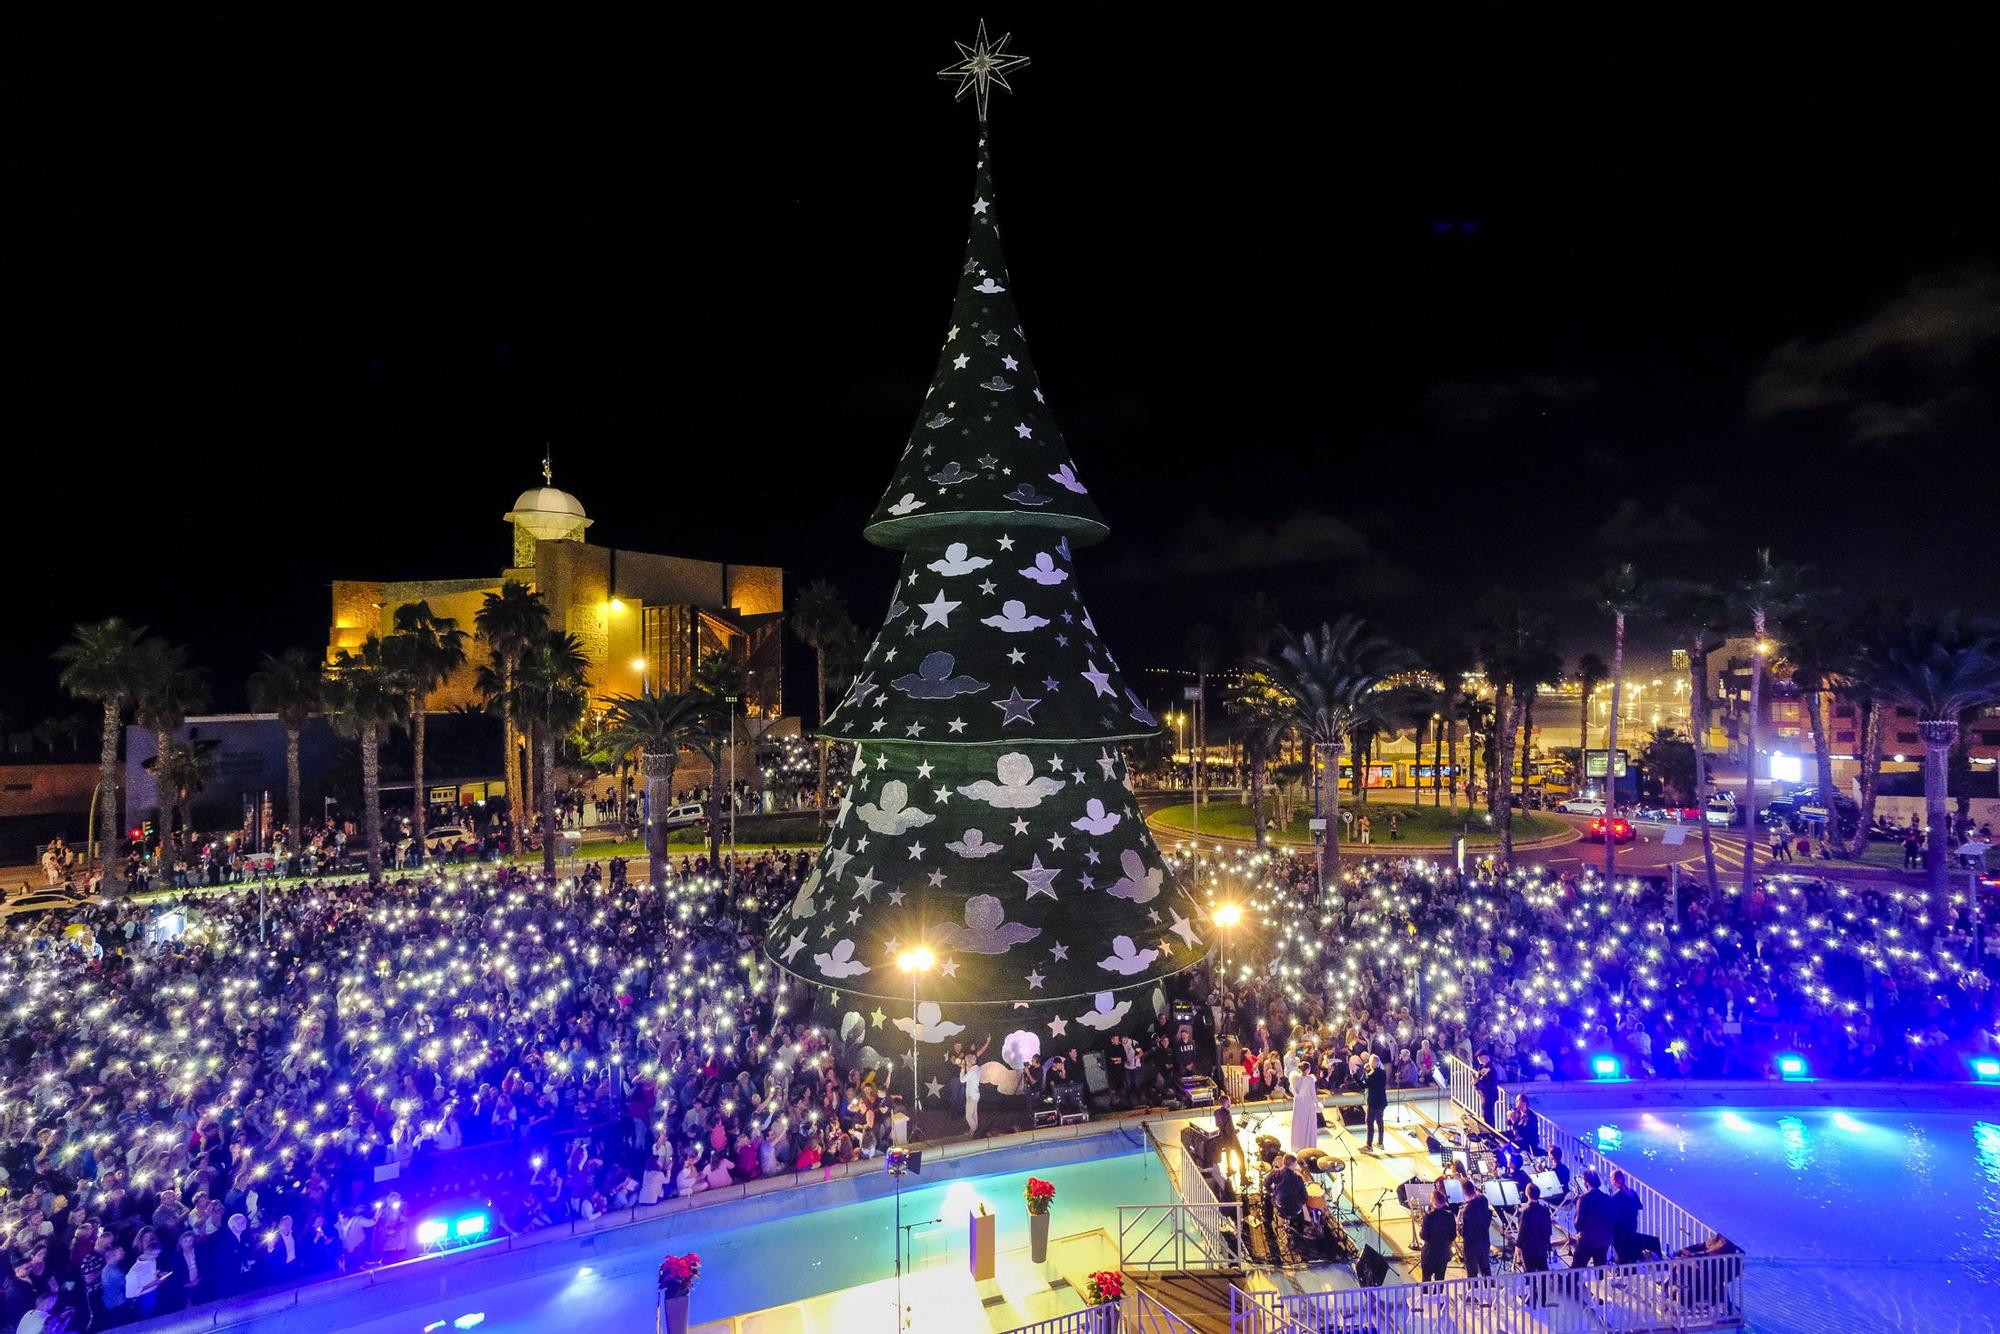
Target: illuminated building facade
[(644, 620)]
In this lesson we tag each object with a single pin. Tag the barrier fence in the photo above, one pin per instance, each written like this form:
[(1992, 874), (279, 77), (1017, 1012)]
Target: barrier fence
[(1145, 1315), (1139, 1313), (1660, 1217), (1169, 1238), (1683, 1296)]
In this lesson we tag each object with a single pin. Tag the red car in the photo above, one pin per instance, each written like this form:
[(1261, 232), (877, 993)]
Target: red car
[(1616, 829)]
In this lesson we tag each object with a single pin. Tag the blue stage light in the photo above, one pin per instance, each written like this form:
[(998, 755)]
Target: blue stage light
[(1604, 1067), (1793, 1066), (1986, 1067)]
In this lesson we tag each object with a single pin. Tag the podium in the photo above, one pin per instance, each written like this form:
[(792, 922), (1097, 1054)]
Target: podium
[(981, 1248)]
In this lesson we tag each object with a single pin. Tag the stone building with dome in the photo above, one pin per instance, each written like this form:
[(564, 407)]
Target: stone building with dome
[(644, 620)]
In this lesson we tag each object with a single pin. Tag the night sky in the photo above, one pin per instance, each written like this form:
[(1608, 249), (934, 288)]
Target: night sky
[(1371, 319)]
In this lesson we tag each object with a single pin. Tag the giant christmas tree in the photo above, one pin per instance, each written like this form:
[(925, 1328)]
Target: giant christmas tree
[(989, 817)]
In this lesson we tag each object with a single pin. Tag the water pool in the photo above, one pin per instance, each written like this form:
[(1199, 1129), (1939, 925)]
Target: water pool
[(799, 1254), (1857, 1219)]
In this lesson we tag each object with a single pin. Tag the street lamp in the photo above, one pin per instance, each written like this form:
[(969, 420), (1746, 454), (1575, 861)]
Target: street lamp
[(915, 961), (639, 666), (1225, 915)]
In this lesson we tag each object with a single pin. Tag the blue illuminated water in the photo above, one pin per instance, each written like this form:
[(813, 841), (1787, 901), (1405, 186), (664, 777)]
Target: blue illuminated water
[(1856, 1220), (787, 1258)]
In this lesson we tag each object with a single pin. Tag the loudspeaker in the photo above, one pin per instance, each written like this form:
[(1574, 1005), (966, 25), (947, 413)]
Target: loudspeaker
[(1353, 1117), (1371, 1268), (1200, 1144), (1095, 1077)]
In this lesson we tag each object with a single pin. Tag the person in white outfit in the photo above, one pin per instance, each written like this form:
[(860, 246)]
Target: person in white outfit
[(969, 1076), (1305, 1111)]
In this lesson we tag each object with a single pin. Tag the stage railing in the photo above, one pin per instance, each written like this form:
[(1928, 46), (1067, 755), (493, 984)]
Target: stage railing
[(1106, 1318), (1259, 1313), (1172, 1238), (1145, 1314), (1659, 1216), (1681, 1296), (1462, 1091)]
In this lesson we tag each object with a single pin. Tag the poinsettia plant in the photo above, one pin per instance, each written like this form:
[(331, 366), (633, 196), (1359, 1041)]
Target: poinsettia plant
[(1106, 1285), (1039, 1193), (678, 1273)]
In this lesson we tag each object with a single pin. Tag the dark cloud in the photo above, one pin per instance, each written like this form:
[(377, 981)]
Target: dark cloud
[(1336, 552), (1639, 525), (1900, 373), (1461, 404)]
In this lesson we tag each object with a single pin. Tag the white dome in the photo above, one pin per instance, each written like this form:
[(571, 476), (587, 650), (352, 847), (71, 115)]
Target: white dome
[(549, 514)]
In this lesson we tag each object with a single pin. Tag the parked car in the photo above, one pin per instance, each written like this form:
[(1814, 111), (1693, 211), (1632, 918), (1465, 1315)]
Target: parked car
[(682, 814), (1582, 806), (1610, 829), (437, 842), (1723, 811), (40, 901), (1667, 814)]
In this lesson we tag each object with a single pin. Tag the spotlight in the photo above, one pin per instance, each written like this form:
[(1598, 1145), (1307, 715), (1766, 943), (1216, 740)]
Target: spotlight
[(1793, 1066), (1986, 1068), (1604, 1066)]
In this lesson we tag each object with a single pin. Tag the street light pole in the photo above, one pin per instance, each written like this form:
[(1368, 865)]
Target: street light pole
[(915, 961)]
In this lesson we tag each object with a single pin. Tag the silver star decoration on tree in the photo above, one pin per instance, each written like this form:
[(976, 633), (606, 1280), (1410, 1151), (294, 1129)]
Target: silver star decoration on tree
[(981, 65)]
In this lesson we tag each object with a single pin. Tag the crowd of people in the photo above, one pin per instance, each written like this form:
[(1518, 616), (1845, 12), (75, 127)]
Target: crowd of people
[(1548, 974), (190, 1108), (188, 1111)]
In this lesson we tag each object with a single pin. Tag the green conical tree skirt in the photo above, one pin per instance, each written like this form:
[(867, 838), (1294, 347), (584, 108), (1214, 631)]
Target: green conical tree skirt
[(989, 818)]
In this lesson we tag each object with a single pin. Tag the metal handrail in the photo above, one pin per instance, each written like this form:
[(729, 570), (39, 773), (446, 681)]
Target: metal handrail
[(1680, 1296), (1179, 1237), (1259, 1313), (1104, 1318), (1676, 1228), (1146, 1314)]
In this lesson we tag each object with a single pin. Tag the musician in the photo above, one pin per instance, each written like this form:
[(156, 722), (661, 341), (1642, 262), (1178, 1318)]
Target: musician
[(1486, 1083), (1375, 1091), (1560, 1168), (1475, 1229), (1531, 1242), (1624, 1219), (1594, 1223), (1287, 1189), (1521, 1124), (1436, 1234)]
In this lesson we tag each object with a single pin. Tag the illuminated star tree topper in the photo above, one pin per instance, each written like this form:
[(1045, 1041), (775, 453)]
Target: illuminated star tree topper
[(983, 64)]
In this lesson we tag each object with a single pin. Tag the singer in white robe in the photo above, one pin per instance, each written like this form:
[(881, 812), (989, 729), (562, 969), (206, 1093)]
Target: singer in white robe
[(1305, 1111)]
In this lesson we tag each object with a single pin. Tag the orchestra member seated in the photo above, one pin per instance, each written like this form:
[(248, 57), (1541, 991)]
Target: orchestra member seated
[(1560, 1168), (1287, 1189), (1521, 1125)]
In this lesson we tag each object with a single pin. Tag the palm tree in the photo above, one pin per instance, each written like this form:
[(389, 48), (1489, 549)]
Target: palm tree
[(1520, 653), (1203, 648), (1772, 592), (363, 694), (819, 618), (1256, 708), (289, 684), (1590, 672), (549, 692), (509, 621), (169, 689), (181, 772), (97, 665), (1620, 593), (1700, 618), (657, 726), (1476, 712), (1819, 653), (1324, 682), (1448, 663), (425, 650), (1943, 668)]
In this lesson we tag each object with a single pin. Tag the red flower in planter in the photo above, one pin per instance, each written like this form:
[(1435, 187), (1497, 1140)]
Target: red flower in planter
[(678, 1273), (1106, 1285), (1038, 1195)]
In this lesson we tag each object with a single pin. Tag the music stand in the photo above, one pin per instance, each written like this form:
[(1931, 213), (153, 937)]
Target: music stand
[(1503, 1194), (1454, 1190)]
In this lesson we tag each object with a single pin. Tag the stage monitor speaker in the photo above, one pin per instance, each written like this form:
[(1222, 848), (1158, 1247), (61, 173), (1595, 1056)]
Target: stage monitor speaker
[(1371, 1268), (1353, 1117), (1095, 1076), (1200, 1144)]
